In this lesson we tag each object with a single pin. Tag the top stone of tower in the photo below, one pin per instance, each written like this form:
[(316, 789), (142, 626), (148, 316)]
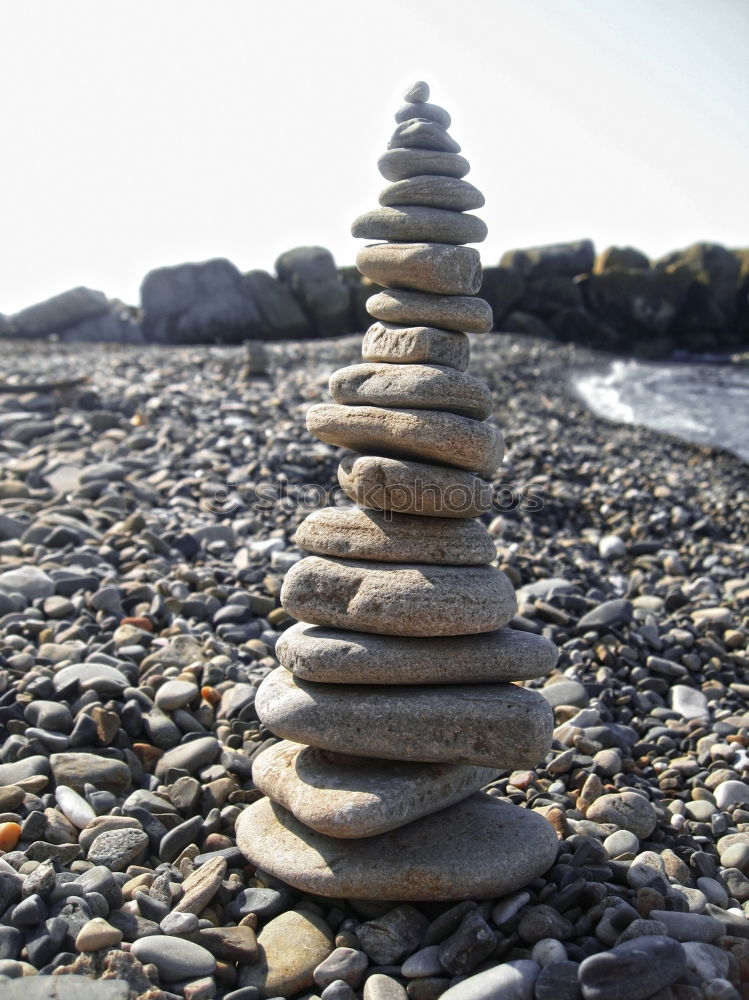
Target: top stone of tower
[(417, 93)]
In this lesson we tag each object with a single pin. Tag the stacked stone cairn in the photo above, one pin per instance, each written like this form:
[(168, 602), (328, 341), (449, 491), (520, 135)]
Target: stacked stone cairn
[(395, 700)]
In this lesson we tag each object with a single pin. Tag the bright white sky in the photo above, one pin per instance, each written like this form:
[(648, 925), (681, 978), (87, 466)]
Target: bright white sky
[(139, 133)]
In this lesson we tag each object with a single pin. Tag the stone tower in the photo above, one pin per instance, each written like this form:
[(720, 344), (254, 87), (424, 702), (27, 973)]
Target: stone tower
[(394, 698)]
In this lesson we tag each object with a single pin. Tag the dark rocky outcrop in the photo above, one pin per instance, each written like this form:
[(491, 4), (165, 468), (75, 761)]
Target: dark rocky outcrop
[(695, 299), (198, 303), (59, 313), (283, 318), (313, 279)]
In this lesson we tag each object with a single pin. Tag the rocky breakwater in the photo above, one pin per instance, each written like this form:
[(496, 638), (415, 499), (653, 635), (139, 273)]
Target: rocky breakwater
[(394, 696)]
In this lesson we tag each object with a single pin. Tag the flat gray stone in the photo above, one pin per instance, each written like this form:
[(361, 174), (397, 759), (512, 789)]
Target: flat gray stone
[(64, 988), (426, 435), (397, 598), (453, 312), (409, 487), (192, 756), (27, 767), (627, 810), (30, 581), (491, 725), (427, 267), (428, 387), (397, 164), (174, 957), (344, 796), (339, 656), (479, 848), (175, 694), (91, 677), (634, 970), (116, 849), (434, 192), (421, 109), (419, 224), (425, 345), (564, 691), (508, 981), (420, 133), (358, 533)]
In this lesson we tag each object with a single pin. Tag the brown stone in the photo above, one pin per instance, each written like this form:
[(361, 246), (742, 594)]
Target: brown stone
[(340, 656), (291, 947), (398, 598), (355, 533), (428, 435), (417, 224), (436, 192), (412, 487), (480, 848), (428, 387), (454, 312), (426, 345), (441, 268), (344, 796)]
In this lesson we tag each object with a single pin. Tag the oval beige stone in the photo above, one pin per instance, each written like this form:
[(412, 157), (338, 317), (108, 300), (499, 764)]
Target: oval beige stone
[(338, 656), (398, 598), (451, 312), (435, 192), (430, 435), (441, 268), (419, 133), (412, 487), (417, 224), (356, 533), (478, 849), (291, 947), (492, 725), (345, 796), (416, 345), (428, 387), (397, 164)]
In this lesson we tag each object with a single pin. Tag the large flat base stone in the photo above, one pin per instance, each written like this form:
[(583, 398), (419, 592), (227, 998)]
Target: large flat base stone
[(477, 849)]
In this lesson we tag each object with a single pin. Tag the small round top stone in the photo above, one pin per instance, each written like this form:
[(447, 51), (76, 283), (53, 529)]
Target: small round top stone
[(417, 93)]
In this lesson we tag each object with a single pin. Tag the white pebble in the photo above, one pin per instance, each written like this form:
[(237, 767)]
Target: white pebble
[(73, 806), (547, 951)]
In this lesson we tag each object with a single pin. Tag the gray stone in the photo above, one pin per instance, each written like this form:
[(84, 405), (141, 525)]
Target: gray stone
[(408, 487), (348, 964), (338, 656), (382, 987), (116, 849), (564, 691), (65, 988), (428, 387), (389, 938), (175, 694), (688, 702), (435, 192), (60, 312), (398, 164), (426, 435), (479, 848), (27, 767), (419, 224), (731, 791), (282, 316), (311, 275), (344, 796), (634, 970), (192, 756), (606, 615), (174, 957), (627, 810), (690, 926), (492, 725), (421, 133), (465, 313), (510, 981), (426, 345), (91, 677), (356, 533), (30, 581), (443, 269), (414, 599)]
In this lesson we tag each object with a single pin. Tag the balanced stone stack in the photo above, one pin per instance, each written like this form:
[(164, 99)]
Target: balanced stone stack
[(395, 699)]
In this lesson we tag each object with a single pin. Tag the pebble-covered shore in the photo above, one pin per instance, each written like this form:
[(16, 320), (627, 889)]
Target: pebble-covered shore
[(146, 523)]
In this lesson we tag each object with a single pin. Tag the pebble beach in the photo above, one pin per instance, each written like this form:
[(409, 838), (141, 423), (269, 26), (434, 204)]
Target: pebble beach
[(149, 498)]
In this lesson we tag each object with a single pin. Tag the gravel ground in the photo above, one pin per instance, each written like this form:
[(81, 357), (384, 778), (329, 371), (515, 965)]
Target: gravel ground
[(146, 522)]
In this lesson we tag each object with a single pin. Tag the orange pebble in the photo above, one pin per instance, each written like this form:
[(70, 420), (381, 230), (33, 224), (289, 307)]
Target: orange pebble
[(140, 622), (211, 695), (10, 834)]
